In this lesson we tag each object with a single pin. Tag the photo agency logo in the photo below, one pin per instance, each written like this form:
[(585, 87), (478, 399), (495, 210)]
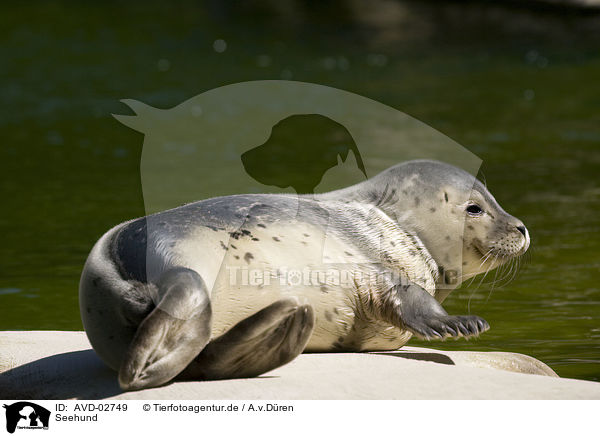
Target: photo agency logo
[(25, 415), (313, 145)]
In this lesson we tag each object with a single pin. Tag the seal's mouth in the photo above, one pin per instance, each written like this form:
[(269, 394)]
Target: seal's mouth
[(496, 253)]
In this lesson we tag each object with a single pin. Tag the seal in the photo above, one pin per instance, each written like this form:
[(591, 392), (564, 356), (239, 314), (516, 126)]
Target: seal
[(236, 286)]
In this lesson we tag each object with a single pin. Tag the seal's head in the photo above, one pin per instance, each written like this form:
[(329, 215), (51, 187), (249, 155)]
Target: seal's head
[(462, 225)]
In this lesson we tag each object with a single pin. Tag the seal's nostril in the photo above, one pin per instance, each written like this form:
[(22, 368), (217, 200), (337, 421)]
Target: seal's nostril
[(522, 230)]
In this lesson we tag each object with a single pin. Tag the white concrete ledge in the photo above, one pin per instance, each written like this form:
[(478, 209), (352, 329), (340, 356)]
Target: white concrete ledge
[(62, 365)]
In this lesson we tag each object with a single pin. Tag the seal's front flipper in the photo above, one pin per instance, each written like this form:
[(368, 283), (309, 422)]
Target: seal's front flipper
[(413, 308), (169, 338), (264, 341)]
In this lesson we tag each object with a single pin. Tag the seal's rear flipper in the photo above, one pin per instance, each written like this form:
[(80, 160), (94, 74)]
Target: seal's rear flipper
[(264, 341), (172, 334), (413, 308)]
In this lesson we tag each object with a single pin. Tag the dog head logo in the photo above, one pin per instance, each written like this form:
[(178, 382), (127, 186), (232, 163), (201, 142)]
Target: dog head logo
[(287, 159), (26, 415)]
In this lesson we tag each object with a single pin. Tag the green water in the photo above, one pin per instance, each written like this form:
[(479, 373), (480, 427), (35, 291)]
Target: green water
[(518, 88)]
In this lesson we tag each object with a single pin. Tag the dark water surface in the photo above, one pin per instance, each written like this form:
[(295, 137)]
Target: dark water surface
[(518, 88)]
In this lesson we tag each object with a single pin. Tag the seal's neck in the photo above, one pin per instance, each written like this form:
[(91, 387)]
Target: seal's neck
[(416, 214)]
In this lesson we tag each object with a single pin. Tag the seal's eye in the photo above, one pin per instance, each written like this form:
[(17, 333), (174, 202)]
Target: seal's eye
[(473, 209)]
